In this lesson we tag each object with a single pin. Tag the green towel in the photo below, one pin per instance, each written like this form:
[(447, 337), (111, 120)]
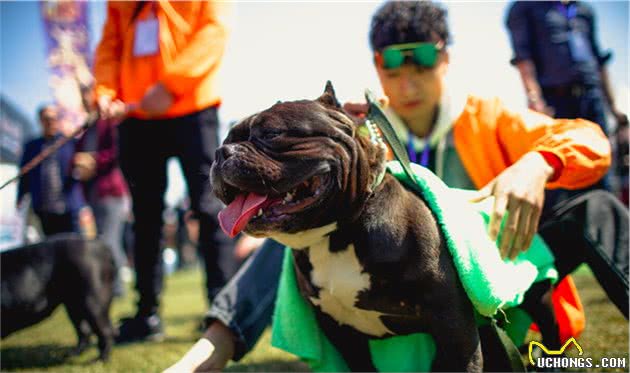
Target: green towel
[(489, 282)]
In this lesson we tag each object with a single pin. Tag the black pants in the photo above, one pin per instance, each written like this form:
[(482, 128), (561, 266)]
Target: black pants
[(58, 223), (145, 146), (591, 228)]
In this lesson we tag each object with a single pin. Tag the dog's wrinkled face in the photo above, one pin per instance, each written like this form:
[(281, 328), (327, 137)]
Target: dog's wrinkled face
[(295, 166)]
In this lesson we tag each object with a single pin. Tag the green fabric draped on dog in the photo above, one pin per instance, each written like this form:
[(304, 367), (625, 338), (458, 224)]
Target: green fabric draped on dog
[(490, 283)]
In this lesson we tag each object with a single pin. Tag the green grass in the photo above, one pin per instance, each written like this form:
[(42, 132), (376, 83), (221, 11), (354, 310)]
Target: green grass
[(43, 346)]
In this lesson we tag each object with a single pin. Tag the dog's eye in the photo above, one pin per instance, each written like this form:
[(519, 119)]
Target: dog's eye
[(271, 135)]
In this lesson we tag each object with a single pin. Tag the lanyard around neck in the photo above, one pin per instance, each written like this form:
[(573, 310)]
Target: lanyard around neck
[(411, 151), (568, 10)]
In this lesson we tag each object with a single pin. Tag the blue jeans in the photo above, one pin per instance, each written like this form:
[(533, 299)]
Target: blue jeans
[(110, 214), (246, 303)]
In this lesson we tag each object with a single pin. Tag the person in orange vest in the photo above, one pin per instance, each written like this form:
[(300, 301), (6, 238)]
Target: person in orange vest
[(157, 64), (472, 143)]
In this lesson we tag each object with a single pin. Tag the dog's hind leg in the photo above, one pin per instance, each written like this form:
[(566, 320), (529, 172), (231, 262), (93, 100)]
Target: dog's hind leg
[(457, 341), (457, 350), (100, 325), (77, 316)]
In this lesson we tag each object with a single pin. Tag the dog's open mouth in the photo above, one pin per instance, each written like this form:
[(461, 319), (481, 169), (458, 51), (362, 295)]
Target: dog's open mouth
[(249, 206)]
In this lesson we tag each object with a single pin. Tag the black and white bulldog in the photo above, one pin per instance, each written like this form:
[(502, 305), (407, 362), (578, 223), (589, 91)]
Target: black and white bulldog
[(368, 255)]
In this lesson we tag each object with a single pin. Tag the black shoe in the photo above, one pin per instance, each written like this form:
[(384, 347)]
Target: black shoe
[(140, 329)]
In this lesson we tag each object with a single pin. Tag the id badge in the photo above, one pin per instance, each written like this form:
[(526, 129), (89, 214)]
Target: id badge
[(579, 46), (146, 41)]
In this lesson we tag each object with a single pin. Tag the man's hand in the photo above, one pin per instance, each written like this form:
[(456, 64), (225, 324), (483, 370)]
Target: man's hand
[(157, 100), (621, 118), (84, 166), (112, 109), (356, 109), (360, 109), (537, 103), (210, 354), (519, 191)]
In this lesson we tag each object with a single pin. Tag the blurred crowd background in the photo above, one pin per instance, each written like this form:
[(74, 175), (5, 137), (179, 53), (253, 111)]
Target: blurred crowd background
[(275, 51)]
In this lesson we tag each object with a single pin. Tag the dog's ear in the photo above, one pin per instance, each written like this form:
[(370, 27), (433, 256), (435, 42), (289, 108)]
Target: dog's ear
[(329, 98)]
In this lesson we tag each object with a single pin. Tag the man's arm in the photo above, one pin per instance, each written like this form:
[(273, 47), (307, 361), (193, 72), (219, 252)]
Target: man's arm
[(535, 100), (517, 23), (620, 117), (542, 152), (602, 61), (581, 148)]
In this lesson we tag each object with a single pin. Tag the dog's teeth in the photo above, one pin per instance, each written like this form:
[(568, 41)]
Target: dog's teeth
[(260, 212)]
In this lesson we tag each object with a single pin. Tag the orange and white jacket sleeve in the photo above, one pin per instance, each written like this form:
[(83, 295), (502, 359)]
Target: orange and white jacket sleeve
[(108, 55), (202, 53), (581, 147)]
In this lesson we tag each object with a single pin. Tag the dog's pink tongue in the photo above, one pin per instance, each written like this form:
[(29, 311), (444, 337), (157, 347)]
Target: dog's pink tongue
[(235, 216)]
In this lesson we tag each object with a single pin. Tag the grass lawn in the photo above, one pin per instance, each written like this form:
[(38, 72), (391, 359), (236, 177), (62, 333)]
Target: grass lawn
[(43, 346)]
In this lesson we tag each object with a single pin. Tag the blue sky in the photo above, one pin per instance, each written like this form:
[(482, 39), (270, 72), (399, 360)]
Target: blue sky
[(284, 51)]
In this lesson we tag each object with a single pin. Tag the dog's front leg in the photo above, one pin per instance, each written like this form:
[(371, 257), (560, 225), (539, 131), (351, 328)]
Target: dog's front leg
[(457, 343), (352, 345)]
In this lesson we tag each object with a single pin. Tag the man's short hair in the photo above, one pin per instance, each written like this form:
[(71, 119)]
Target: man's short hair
[(399, 22)]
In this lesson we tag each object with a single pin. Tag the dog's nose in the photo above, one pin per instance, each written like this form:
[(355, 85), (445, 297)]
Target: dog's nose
[(224, 152)]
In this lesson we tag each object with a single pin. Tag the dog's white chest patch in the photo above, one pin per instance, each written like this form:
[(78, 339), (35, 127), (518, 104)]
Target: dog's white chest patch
[(340, 278)]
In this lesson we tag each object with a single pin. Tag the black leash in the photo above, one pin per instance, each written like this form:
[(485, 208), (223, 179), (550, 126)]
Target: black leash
[(379, 117), (47, 152)]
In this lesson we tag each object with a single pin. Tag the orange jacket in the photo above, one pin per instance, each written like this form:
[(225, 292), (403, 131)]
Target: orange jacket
[(489, 138), (192, 39)]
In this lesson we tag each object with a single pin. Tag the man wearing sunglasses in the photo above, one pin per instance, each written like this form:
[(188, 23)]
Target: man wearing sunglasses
[(471, 143)]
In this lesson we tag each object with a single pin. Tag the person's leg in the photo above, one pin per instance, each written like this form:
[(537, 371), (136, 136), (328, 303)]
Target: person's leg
[(110, 213), (196, 142), (245, 304), (143, 162), (57, 223), (591, 228), (592, 107)]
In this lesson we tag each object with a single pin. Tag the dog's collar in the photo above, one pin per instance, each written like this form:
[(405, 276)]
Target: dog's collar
[(374, 134)]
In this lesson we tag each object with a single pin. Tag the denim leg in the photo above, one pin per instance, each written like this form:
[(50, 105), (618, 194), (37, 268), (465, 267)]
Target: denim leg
[(110, 214), (246, 303)]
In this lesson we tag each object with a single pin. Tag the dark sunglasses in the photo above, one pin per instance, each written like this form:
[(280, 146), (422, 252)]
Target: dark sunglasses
[(421, 54)]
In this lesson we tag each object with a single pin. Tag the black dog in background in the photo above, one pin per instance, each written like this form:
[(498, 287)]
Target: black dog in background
[(65, 269)]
